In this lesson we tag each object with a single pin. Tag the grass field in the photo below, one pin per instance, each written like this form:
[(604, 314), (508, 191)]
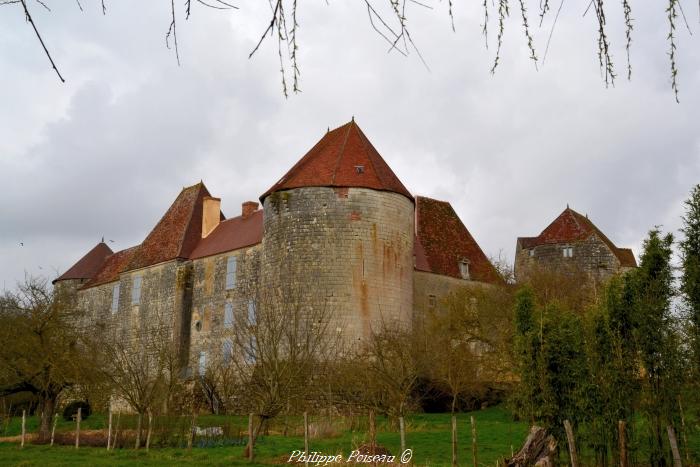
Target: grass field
[(428, 435)]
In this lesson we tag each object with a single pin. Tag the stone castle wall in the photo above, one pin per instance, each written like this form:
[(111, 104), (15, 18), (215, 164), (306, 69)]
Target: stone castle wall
[(210, 297), (348, 250)]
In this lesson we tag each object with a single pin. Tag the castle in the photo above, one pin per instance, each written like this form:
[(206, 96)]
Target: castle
[(338, 230), (572, 243)]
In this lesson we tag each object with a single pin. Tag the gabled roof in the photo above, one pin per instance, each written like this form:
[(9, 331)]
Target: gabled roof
[(231, 234), (177, 233), (88, 265), (112, 267), (344, 157), (446, 241), (569, 227)]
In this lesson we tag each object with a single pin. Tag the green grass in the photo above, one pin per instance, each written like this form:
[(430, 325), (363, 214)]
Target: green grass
[(428, 435)]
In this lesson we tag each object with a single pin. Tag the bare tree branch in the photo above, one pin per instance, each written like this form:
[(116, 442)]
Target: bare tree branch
[(36, 31)]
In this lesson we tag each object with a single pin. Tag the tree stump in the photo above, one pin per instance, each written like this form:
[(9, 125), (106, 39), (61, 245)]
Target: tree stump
[(539, 450)]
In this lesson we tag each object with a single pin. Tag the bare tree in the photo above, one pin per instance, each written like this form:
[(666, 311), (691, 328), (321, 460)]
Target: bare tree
[(143, 370), (42, 347), (390, 20)]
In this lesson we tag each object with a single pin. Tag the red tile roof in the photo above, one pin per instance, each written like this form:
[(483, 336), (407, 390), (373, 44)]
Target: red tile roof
[(344, 157), (569, 227), (446, 241), (177, 233), (113, 266), (88, 265), (231, 234), (420, 257)]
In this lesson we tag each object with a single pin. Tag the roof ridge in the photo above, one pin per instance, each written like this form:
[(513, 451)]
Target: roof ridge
[(341, 151), (370, 155), (200, 185)]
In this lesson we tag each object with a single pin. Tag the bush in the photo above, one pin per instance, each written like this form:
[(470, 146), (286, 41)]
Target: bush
[(71, 410)]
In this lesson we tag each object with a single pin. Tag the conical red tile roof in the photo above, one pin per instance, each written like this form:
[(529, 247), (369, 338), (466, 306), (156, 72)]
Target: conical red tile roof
[(344, 157), (88, 265)]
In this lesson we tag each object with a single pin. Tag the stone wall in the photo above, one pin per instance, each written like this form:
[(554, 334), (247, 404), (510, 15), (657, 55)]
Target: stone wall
[(592, 256), (430, 291), (348, 250), (211, 296)]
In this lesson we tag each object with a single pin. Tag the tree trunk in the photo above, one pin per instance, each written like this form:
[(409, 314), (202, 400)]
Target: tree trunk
[(48, 406), (138, 431), (540, 449)]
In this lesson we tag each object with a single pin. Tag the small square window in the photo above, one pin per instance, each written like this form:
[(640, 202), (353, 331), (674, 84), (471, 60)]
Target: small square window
[(532, 252), (432, 301), (568, 251)]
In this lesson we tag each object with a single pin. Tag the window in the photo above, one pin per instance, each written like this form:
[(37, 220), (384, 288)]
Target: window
[(432, 301), (464, 269), (252, 315), (251, 351), (227, 350), (532, 252), (115, 298), (228, 315), (230, 272), (568, 251), (136, 290), (202, 363)]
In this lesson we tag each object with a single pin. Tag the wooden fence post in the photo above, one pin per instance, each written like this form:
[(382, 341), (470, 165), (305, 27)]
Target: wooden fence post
[(683, 431), (674, 446), (53, 429), (251, 443), (190, 439), (474, 442), (454, 440), (150, 429), (24, 426), (622, 435), (306, 437), (77, 427), (109, 429), (372, 432), (572, 443), (402, 433)]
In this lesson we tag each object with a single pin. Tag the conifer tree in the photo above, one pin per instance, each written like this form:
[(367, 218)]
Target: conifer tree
[(690, 279), (657, 340)]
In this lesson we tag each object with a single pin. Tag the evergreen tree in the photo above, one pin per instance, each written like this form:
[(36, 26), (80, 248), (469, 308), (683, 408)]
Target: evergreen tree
[(658, 346), (690, 280)]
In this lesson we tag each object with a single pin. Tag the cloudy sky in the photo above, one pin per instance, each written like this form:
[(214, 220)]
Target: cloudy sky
[(107, 152)]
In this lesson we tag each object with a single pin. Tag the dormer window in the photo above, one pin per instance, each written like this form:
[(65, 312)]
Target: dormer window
[(464, 269), (568, 252), (360, 169)]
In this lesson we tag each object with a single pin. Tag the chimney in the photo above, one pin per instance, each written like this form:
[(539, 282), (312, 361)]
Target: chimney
[(211, 214), (249, 207)]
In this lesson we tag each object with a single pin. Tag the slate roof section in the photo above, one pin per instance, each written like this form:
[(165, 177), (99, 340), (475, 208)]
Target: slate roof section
[(113, 266), (88, 265), (446, 241), (571, 227), (231, 234), (177, 233), (344, 157)]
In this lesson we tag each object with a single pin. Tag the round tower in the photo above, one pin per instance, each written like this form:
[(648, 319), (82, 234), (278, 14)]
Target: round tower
[(338, 238)]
